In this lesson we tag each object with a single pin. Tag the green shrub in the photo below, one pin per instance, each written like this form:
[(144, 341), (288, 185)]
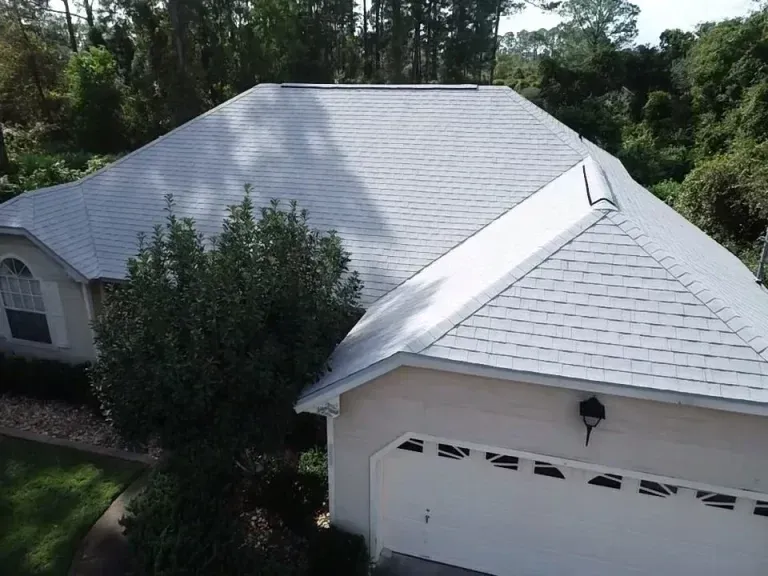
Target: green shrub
[(334, 551), (192, 522), (185, 528), (314, 462), (46, 380), (296, 495)]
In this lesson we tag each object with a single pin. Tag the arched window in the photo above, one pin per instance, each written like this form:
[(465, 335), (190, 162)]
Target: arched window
[(23, 302)]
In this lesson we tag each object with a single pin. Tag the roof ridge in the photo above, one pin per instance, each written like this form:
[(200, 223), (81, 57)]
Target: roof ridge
[(380, 86), (89, 231), (740, 326), (526, 105), (515, 275)]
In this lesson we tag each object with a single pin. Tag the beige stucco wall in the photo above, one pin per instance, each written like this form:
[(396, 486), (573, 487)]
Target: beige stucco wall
[(97, 296), (80, 340), (694, 444)]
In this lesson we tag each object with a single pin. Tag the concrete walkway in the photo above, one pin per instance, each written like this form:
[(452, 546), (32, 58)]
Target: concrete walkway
[(400, 565), (105, 550)]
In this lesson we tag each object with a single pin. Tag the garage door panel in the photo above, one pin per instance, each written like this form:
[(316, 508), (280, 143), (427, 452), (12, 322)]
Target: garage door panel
[(464, 508)]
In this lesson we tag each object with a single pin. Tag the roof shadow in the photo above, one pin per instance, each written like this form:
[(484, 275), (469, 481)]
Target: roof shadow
[(279, 141)]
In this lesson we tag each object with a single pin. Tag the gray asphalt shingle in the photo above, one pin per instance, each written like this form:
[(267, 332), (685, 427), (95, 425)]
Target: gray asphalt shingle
[(403, 174), (465, 212), (643, 298), (658, 335)]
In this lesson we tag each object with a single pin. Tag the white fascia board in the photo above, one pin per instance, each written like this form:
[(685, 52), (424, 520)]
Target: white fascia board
[(404, 359)]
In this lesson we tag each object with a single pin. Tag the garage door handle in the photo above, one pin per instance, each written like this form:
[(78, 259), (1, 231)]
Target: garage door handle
[(426, 517)]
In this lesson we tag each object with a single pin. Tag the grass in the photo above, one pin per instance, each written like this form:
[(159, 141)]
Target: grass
[(49, 498)]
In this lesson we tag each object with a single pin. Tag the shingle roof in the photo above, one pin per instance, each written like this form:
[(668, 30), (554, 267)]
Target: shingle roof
[(421, 310), (57, 217), (404, 174), (466, 212), (640, 298), (601, 308)]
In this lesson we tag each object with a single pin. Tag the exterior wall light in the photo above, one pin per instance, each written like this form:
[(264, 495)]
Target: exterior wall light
[(592, 413)]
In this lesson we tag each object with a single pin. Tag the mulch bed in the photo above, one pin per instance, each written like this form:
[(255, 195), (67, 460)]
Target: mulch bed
[(59, 420)]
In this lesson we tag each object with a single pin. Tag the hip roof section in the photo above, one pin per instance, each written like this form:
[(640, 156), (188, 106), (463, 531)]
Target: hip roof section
[(403, 174)]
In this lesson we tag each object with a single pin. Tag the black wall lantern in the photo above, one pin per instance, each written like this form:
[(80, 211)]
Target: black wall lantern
[(592, 413)]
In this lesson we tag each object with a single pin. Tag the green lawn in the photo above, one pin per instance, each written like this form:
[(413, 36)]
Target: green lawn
[(49, 498)]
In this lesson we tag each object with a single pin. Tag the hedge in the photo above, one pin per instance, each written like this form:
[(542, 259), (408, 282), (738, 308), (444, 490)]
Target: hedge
[(46, 380)]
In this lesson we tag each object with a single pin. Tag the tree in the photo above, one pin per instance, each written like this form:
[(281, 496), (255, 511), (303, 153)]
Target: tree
[(5, 163), (533, 44), (597, 23), (727, 196), (95, 98), (503, 8), (70, 26), (207, 350), (28, 50)]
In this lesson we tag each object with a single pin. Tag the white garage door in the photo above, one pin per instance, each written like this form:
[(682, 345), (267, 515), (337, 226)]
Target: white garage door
[(505, 515)]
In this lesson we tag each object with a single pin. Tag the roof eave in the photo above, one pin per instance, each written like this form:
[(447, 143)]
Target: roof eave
[(411, 360)]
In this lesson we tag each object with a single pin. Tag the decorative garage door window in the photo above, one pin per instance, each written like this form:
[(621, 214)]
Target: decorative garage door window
[(722, 501), (547, 469), (607, 481), (23, 302), (450, 451), (655, 489), (412, 445), (503, 461), (648, 488)]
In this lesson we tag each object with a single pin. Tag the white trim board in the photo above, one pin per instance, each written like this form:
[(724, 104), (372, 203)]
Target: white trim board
[(330, 447), (402, 359)]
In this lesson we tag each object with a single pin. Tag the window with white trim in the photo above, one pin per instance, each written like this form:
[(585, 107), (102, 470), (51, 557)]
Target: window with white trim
[(23, 302)]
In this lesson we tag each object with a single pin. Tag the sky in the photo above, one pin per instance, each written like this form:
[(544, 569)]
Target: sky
[(655, 16)]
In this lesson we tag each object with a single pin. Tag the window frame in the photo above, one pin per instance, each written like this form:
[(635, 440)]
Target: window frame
[(33, 278)]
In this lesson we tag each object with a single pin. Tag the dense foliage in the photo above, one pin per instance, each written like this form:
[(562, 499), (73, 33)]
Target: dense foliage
[(689, 117), (205, 349), (102, 78), (255, 527)]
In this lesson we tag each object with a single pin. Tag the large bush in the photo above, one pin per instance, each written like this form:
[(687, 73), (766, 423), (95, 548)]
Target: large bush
[(208, 349), (205, 348)]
